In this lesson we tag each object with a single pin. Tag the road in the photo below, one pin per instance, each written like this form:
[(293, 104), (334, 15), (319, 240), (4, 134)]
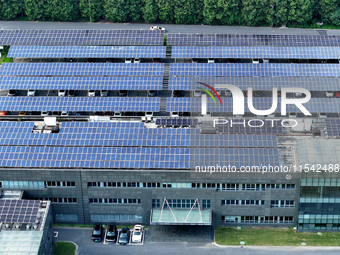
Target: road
[(204, 29), (82, 237)]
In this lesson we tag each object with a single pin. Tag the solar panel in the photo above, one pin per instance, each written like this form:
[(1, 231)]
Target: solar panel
[(259, 83), (82, 69), (252, 40), (82, 83), (18, 211), (83, 104), (81, 37), (333, 127), (134, 157), (195, 69), (87, 52), (256, 52), (187, 104)]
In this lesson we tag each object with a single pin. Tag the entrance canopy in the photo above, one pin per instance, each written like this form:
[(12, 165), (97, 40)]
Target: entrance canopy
[(180, 217)]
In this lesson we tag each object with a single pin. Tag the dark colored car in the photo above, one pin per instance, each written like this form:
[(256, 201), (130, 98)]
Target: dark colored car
[(122, 93), (12, 93), (177, 93), (72, 93), (124, 236), (111, 235), (97, 233)]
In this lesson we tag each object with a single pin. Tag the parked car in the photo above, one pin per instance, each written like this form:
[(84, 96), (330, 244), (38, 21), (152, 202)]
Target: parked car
[(91, 93), (211, 60), (329, 94), (156, 60), (3, 113), (61, 92), (97, 233), (72, 93), (149, 114), (45, 113), (117, 114), (257, 93), (103, 93), (122, 93), (174, 114), (22, 113), (12, 93), (152, 93), (137, 60), (337, 94), (64, 113), (177, 93), (124, 236), (31, 93), (157, 28), (137, 234), (128, 60), (111, 235), (197, 92)]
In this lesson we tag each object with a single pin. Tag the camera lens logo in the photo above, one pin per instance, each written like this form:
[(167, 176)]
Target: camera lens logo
[(238, 99)]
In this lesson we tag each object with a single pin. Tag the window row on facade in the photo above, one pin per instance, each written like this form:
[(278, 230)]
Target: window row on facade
[(180, 203), (219, 186), (257, 219), (115, 201)]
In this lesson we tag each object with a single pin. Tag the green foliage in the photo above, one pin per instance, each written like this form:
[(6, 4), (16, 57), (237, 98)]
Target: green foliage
[(222, 12), (36, 9), (281, 12), (150, 11), (188, 11), (166, 11), (64, 248), (300, 11), (335, 17), (63, 10), (136, 9), (116, 10), (327, 8), (10, 9), (257, 12), (92, 8)]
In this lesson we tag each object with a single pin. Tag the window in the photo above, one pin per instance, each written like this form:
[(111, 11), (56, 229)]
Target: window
[(59, 200), (241, 202), (156, 203), (282, 203), (116, 218), (59, 184), (206, 203), (66, 217), (115, 201), (22, 184), (258, 219)]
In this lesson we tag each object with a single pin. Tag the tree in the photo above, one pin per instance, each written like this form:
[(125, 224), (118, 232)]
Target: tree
[(135, 9), (91, 9), (150, 11), (116, 10), (166, 10), (281, 12), (327, 8), (334, 17), (257, 12), (37, 9), (63, 10), (222, 12), (10, 9), (188, 11), (300, 11)]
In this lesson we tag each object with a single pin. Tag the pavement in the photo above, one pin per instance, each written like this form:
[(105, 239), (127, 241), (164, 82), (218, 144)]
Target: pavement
[(203, 29), (153, 246)]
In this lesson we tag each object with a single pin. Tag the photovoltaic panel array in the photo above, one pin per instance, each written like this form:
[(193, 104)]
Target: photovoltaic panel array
[(131, 145), (84, 104), (256, 52), (18, 211), (259, 82), (252, 40), (81, 37), (187, 104), (87, 52), (333, 127), (82, 69), (81, 83), (228, 69)]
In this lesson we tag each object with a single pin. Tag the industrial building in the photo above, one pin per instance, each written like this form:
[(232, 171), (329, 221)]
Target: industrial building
[(108, 125)]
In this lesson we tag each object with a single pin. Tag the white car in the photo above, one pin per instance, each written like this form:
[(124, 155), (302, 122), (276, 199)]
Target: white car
[(137, 60), (61, 93), (91, 93), (157, 28), (128, 61), (31, 93), (64, 113), (137, 234), (329, 94), (117, 114), (197, 93), (149, 114)]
